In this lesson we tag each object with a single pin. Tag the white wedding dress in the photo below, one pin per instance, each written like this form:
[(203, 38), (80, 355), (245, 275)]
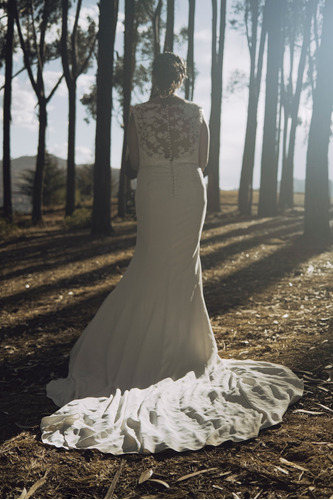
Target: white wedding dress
[(145, 375)]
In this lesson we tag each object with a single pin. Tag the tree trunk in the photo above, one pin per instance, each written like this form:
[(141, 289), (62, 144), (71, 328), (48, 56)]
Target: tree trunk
[(286, 197), (156, 21), (70, 183), (316, 220), (6, 164), (169, 32), (213, 189), (127, 89), (268, 182), (246, 180), (101, 217), (189, 82), (37, 195)]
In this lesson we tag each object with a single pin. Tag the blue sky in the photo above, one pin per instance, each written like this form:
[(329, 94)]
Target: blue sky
[(234, 106)]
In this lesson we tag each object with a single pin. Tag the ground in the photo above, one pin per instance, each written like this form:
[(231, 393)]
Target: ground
[(269, 295)]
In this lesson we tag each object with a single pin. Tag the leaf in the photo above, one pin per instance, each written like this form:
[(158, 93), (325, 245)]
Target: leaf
[(308, 412), (145, 475), (159, 481), (203, 471), (292, 464), (109, 493), (34, 487), (325, 407), (282, 470)]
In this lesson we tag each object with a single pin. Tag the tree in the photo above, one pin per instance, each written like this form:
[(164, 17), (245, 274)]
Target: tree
[(293, 101), (6, 165), (251, 14), (129, 63), (213, 190), (316, 220), (44, 14), (189, 82), (169, 32), (76, 53), (268, 182), (53, 182), (101, 217)]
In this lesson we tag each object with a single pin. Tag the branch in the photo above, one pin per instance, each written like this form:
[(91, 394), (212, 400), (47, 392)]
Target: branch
[(24, 50), (74, 36), (54, 89), (86, 61), (63, 42)]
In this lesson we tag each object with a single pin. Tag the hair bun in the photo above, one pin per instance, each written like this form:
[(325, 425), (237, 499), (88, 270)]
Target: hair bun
[(169, 71)]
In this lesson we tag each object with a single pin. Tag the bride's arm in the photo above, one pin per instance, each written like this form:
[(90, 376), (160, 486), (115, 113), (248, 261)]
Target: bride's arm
[(132, 142), (203, 145)]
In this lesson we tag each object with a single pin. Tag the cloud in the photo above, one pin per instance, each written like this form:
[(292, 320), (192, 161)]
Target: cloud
[(84, 155), (24, 110), (84, 83)]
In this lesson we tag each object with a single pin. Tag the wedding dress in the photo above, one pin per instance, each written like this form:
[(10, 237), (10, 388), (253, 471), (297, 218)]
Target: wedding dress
[(145, 375)]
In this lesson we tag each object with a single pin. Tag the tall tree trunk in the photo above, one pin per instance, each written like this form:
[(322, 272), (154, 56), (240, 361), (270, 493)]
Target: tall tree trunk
[(6, 164), (101, 216), (246, 180), (169, 32), (156, 22), (189, 82), (268, 182), (286, 197), (316, 220), (73, 65), (70, 181), (213, 189), (127, 89), (37, 195)]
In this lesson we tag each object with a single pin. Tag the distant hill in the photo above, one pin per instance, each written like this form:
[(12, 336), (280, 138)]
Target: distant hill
[(19, 165)]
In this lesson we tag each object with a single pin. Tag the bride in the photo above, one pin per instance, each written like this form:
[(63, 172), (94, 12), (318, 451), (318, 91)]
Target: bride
[(145, 375)]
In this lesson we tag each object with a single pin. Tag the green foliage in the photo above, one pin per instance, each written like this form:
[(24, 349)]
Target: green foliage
[(89, 100), (53, 182), (85, 181), (80, 219)]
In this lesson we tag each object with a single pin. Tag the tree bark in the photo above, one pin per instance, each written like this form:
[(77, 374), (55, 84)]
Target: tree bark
[(70, 180), (156, 22), (189, 82), (101, 216), (246, 179), (37, 195), (6, 163), (316, 220), (124, 183), (286, 197), (213, 189), (268, 182), (169, 32)]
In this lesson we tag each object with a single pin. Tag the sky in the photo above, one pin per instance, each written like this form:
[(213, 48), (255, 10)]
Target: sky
[(234, 105)]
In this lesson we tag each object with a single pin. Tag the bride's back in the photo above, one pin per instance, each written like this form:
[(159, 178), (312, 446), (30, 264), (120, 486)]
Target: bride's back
[(168, 131)]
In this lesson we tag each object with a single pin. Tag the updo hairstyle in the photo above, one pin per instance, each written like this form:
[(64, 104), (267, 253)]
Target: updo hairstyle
[(169, 71)]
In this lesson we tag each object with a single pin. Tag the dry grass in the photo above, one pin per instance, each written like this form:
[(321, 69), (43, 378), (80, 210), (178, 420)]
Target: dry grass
[(269, 296)]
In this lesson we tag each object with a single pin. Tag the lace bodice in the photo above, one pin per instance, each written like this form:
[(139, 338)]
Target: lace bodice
[(168, 131)]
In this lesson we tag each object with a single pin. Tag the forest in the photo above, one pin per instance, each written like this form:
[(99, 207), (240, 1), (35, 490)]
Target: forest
[(266, 253)]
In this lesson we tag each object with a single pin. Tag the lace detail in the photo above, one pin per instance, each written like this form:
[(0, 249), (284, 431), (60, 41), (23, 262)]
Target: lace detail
[(168, 131)]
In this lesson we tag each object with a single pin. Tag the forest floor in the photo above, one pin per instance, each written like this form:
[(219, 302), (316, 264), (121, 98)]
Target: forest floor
[(269, 295)]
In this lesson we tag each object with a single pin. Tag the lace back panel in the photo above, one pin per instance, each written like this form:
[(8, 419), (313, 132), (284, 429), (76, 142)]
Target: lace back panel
[(168, 131)]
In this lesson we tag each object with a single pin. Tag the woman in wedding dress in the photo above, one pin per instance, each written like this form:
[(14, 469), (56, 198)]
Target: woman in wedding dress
[(145, 375)]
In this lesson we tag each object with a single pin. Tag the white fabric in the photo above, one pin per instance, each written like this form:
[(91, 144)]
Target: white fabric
[(145, 374)]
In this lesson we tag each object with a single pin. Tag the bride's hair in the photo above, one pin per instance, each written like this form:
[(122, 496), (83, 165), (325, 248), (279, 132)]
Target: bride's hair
[(169, 71)]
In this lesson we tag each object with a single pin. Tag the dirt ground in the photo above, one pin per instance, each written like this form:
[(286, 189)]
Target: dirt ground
[(269, 295)]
